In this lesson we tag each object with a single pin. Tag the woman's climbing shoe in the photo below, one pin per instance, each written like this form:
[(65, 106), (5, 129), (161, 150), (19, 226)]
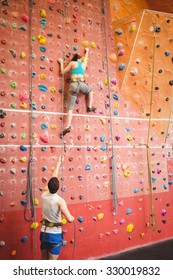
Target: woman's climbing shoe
[(65, 131), (92, 109)]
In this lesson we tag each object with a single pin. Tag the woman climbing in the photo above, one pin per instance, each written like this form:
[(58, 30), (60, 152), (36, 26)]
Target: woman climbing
[(77, 68)]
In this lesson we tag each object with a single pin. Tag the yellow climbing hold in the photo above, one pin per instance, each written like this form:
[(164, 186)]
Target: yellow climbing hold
[(34, 135), (92, 45), (53, 89), (42, 39), (85, 44), (43, 13), (23, 55), (42, 76), (103, 121), (100, 216), (129, 138), (64, 221), (126, 173), (23, 105), (103, 159), (53, 126), (35, 201), (116, 105), (23, 159), (142, 234), (34, 225), (106, 81), (87, 128), (130, 228)]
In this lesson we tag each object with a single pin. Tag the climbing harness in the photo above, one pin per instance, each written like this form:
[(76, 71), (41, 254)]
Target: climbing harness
[(114, 191)]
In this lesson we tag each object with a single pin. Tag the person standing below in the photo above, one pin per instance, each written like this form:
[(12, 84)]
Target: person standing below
[(53, 206), (77, 67)]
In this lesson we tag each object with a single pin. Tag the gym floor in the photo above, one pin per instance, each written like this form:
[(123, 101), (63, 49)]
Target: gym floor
[(158, 251)]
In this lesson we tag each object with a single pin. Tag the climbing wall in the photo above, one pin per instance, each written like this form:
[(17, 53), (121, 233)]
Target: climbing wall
[(117, 169)]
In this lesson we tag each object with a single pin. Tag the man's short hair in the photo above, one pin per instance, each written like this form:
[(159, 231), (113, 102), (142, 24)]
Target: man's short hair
[(53, 185)]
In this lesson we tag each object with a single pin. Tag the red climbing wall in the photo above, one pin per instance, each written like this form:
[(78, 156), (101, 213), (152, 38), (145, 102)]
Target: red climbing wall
[(121, 127)]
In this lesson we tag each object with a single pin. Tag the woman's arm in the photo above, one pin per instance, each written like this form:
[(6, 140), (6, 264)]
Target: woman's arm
[(62, 69)]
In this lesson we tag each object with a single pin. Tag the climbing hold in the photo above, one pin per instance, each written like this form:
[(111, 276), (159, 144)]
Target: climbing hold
[(113, 57), (88, 167), (92, 45), (34, 225), (42, 88), (122, 221), (129, 228), (13, 84), (43, 23), (80, 219), (13, 53), (24, 202), (23, 55), (102, 138), (23, 148), (128, 211), (44, 126), (13, 253), (103, 159), (142, 234), (25, 18), (2, 243), (126, 173), (85, 44), (23, 159), (103, 121), (24, 95), (100, 216), (118, 31), (23, 105), (122, 66), (42, 40), (53, 89), (43, 13), (153, 180), (43, 49), (24, 239), (163, 212), (45, 137)]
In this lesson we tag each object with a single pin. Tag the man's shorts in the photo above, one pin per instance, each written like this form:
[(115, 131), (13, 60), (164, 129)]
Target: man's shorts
[(51, 242), (75, 89)]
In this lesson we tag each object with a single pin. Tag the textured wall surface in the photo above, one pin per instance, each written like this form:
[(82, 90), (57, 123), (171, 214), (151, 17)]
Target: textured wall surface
[(132, 125)]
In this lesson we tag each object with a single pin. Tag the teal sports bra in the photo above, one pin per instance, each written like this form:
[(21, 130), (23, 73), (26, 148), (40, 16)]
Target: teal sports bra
[(78, 69)]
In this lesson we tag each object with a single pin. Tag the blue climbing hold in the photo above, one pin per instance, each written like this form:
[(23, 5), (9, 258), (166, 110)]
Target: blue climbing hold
[(43, 88), (136, 190), (103, 148), (115, 96), (43, 23), (153, 180), (24, 202), (88, 167), (115, 112), (118, 31), (80, 219), (43, 148), (24, 239), (128, 211), (34, 106), (43, 49), (122, 66), (44, 126), (23, 148), (102, 138)]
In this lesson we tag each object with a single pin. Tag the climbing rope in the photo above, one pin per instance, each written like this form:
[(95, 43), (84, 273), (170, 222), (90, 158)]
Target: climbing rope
[(152, 213), (114, 192), (63, 147), (29, 213)]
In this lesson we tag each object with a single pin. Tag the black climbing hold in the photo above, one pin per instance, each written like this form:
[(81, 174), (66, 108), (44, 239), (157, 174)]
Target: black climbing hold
[(2, 114), (157, 29), (171, 82)]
